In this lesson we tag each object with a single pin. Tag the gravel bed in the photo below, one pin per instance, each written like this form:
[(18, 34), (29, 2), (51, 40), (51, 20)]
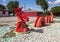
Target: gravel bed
[(49, 33)]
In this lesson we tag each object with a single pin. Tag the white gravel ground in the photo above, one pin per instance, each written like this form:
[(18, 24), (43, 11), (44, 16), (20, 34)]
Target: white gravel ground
[(49, 33)]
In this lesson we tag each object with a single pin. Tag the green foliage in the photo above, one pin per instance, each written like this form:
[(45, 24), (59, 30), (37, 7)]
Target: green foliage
[(11, 5), (46, 13), (43, 4), (2, 6), (56, 10)]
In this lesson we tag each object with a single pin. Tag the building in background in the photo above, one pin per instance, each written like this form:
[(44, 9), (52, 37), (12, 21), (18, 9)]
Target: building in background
[(4, 12), (32, 13)]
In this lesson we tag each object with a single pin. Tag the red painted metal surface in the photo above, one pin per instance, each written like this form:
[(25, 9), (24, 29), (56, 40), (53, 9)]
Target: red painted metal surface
[(39, 21), (47, 19), (51, 17), (21, 25)]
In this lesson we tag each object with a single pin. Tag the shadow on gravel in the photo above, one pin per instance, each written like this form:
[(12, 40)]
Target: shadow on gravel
[(1, 25), (39, 30), (56, 21), (9, 34)]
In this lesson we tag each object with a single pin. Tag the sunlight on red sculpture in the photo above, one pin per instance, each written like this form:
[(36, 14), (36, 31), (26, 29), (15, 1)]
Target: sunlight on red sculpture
[(21, 19), (47, 19), (39, 21), (51, 17)]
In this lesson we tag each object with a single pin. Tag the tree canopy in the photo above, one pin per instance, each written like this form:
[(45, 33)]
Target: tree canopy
[(43, 4), (11, 5), (56, 10), (2, 6)]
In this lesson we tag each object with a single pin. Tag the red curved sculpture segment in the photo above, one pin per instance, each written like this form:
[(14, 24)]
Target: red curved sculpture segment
[(21, 19), (47, 19), (39, 21), (25, 18), (51, 17)]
